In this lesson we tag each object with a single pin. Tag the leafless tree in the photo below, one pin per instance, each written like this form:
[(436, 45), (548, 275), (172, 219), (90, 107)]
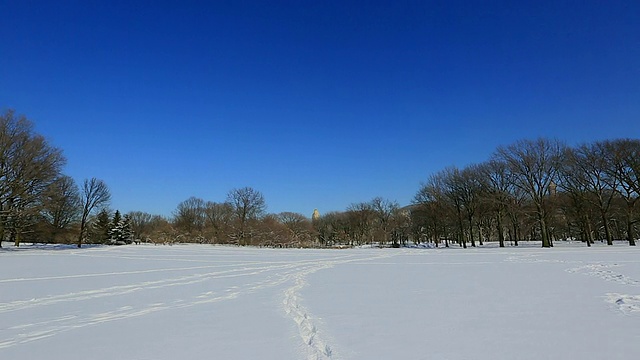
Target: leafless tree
[(298, 225), (61, 206), (400, 225), (270, 232), (575, 185), (141, 225), (625, 165), (329, 228), (95, 195), (28, 165), (189, 217), (161, 231), (468, 187), (434, 215), (361, 218), (218, 220), (383, 212), (534, 165), (456, 192), (596, 163), (248, 205), (496, 185)]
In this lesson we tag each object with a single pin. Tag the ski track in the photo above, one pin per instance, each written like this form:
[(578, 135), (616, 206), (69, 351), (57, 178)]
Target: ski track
[(275, 274), (28, 332), (136, 287), (315, 344)]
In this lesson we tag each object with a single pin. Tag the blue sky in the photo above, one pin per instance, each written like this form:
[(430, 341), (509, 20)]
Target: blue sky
[(317, 104)]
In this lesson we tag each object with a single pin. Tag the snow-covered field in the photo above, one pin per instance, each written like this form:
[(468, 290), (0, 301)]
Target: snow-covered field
[(210, 302)]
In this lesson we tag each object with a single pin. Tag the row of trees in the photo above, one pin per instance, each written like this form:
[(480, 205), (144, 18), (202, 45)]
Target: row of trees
[(530, 190), (241, 219), (37, 201), (540, 189)]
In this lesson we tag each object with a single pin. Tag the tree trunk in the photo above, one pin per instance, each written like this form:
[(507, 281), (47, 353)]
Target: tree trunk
[(546, 243), (516, 234), (461, 237), (473, 242), (82, 228), (630, 238), (607, 230), (630, 221), (500, 230), (586, 235)]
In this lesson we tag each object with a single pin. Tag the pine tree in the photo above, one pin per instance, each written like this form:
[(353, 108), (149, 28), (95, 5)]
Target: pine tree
[(101, 227), (115, 232), (127, 232)]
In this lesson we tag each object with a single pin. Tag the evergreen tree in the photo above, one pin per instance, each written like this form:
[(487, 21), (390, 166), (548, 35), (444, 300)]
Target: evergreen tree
[(115, 231), (127, 232), (120, 231), (101, 227)]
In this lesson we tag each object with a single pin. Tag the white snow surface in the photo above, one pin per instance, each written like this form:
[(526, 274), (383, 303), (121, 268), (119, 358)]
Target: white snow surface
[(216, 302)]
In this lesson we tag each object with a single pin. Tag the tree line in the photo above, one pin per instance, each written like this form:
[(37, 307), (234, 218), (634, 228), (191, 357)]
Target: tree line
[(530, 190), (37, 201), (536, 190)]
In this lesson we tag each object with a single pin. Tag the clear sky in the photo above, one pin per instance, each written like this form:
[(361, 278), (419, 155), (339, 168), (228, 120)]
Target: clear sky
[(317, 104)]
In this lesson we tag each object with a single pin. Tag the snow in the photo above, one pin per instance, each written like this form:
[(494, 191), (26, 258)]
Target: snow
[(202, 301)]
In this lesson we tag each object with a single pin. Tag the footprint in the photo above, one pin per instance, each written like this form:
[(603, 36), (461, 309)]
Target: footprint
[(603, 271), (628, 304)]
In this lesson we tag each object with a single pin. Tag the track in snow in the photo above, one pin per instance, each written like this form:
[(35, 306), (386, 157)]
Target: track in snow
[(246, 277)]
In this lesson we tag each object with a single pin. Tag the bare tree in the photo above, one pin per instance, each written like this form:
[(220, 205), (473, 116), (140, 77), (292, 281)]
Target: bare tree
[(95, 195), (360, 221), (61, 205), (468, 187), (433, 216), (161, 231), (534, 166), (383, 212), (248, 204), (28, 165), (140, 225), (400, 225), (625, 165), (218, 220), (574, 182), (595, 161), (329, 228), (495, 182), (298, 225), (189, 217), (458, 195)]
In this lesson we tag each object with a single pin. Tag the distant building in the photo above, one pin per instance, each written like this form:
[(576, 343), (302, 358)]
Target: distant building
[(316, 215)]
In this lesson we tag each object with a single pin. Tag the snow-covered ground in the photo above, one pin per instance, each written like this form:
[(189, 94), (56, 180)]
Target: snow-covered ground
[(211, 302)]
